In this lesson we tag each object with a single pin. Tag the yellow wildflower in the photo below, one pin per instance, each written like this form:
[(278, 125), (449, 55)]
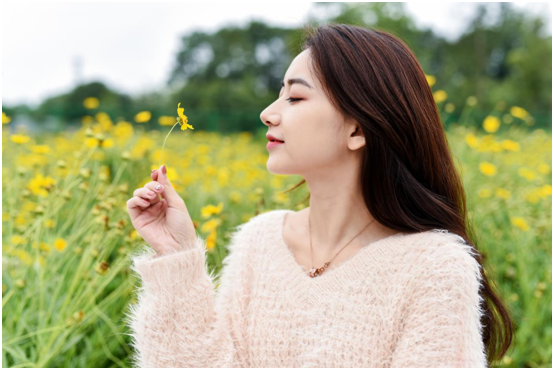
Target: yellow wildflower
[(519, 112), (41, 185), (430, 80), (40, 149), (472, 140), (487, 168), (491, 124), (91, 103), (6, 119), (60, 244), (527, 173), (503, 193), (210, 225), (520, 223), (182, 119), (211, 210), (142, 117), (19, 139), (440, 96), (166, 120), (511, 145), (211, 239)]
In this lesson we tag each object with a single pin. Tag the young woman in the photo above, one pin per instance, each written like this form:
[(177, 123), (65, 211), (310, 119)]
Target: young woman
[(377, 272)]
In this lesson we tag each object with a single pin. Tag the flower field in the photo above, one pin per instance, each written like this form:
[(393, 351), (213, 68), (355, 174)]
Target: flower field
[(67, 236)]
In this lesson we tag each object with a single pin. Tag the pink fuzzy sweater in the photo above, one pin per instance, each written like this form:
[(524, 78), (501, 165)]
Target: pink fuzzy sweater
[(408, 300)]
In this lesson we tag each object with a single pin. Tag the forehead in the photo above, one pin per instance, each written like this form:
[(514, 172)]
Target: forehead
[(299, 68)]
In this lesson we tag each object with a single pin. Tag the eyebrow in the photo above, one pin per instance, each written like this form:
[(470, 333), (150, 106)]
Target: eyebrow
[(293, 81)]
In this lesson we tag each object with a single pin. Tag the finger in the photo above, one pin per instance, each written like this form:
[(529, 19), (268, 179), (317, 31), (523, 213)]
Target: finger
[(147, 194), (154, 175), (169, 192), (135, 206)]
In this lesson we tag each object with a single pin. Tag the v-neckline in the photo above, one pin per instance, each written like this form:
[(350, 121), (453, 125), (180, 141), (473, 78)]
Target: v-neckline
[(347, 269)]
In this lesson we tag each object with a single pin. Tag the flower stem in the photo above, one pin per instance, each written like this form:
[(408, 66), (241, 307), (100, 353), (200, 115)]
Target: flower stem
[(163, 146)]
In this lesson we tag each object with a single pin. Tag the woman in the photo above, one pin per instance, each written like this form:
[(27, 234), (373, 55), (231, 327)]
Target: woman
[(377, 272)]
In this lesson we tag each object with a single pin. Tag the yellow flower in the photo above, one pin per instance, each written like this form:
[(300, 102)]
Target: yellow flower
[(440, 96), (503, 193), (211, 239), (430, 80), (210, 225), (87, 120), (211, 210), (491, 124), (166, 120), (519, 112), (91, 103), (40, 149), (41, 185), (6, 119), (60, 244), (527, 173), (449, 107), (182, 119), (472, 140), (142, 117), (511, 145), (19, 139), (520, 222), (545, 191), (487, 168)]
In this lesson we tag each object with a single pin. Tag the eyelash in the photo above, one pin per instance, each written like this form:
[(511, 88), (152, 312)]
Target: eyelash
[(292, 100)]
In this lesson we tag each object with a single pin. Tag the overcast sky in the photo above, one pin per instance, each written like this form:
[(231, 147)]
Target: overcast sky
[(46, 47)]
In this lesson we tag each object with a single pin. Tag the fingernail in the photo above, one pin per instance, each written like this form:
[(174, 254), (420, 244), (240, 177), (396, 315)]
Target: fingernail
[(153, 170), (164, 171)]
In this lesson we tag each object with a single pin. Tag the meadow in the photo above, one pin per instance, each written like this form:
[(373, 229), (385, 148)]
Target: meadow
[(67, 236)]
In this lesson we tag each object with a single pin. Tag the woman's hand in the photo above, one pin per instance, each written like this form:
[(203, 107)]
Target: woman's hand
[(164, 224)]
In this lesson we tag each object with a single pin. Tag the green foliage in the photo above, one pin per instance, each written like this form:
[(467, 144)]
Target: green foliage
[(229, 76)]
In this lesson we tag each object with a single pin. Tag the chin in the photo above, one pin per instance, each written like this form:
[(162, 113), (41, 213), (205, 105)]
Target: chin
[(276, 169)]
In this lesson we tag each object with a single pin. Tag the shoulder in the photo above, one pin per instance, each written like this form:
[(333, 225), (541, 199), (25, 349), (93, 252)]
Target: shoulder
[(439, 253)]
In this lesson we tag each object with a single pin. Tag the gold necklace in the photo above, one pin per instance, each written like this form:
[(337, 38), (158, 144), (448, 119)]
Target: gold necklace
[(316, 272)]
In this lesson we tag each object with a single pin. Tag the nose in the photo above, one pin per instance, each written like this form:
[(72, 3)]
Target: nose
[(269, 116)]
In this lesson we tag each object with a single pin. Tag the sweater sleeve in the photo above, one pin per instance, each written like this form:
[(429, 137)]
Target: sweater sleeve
[(179, 320), (441, 324)]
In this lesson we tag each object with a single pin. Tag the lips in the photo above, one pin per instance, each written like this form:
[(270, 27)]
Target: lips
[(273, 139)]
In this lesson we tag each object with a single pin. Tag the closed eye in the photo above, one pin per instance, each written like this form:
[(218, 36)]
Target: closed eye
[(292, 100)]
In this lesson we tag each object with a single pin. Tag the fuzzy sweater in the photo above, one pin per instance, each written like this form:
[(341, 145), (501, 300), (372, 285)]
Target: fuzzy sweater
[(408, 300)]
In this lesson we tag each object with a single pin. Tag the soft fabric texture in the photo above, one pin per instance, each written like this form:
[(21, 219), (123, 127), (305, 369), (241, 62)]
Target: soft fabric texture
[(408, 300)]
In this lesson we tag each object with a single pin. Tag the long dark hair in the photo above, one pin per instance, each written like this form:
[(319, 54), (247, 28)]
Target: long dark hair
[(408, 176)]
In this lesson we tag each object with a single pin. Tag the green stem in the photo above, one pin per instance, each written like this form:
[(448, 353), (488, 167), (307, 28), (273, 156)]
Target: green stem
[(163, 146)]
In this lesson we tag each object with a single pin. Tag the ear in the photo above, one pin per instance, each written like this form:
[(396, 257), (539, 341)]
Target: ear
[(356, 138)]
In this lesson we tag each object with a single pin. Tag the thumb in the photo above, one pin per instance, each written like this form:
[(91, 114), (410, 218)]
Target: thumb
[(169, 192)]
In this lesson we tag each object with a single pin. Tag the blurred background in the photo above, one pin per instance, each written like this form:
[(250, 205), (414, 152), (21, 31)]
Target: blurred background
[(90, 94), (227, 66)]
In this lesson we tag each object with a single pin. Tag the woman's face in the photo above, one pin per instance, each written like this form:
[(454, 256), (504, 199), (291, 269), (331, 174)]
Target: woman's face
[(315, 138)]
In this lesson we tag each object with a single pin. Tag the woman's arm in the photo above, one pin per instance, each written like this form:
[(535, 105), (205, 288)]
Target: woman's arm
[(178, 321), (441, 326)]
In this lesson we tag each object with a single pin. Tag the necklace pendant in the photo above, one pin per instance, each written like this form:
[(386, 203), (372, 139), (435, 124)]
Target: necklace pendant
[(316, 272)]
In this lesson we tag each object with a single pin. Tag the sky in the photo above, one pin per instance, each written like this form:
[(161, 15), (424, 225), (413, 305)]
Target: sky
[(47, 48)]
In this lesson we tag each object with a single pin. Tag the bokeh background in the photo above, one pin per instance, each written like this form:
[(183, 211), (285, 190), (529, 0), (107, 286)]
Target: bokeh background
[(90, 92)]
